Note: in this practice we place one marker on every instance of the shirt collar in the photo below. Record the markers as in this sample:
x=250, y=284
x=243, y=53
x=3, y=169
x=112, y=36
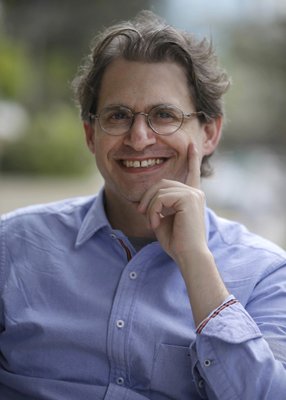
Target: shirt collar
x=94, y=220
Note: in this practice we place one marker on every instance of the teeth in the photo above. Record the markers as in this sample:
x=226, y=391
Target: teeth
x=142, y=164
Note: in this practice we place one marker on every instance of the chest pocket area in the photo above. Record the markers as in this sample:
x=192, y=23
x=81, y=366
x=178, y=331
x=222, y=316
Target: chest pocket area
x=172, y=373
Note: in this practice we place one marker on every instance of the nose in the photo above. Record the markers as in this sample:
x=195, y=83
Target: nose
x=140, y=134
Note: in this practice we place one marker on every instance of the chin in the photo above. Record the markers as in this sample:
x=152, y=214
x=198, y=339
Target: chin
x=123, y=195
x=133, y=193
x=133, y=197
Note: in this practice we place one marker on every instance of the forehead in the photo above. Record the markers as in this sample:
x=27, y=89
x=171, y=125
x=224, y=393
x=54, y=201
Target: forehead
x=142, y=85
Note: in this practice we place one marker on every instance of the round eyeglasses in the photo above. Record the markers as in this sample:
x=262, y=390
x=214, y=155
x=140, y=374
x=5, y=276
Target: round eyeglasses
x=162, y=119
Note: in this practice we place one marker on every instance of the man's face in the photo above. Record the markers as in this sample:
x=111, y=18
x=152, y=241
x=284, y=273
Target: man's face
x=140, y=86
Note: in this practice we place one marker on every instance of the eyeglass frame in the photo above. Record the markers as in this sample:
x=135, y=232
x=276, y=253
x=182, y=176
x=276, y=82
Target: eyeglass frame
x=134, y=114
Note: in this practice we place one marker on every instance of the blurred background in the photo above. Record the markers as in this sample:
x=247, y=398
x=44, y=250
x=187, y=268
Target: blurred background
x=42, y=150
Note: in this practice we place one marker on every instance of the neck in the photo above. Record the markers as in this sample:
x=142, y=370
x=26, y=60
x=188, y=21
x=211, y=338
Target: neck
x=123, y=215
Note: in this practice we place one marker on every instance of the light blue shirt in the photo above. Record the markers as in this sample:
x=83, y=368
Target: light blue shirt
x=86, y=317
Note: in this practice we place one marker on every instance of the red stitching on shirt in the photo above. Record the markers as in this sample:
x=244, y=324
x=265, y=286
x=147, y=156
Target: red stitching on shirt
x=214, y=314
x=127, y=250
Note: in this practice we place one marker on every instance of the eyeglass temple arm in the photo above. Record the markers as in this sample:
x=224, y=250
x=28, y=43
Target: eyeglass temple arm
x=197, y=113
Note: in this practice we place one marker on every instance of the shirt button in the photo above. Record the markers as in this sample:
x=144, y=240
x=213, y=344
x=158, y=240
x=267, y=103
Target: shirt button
x=133, y=275
x=120, y=323
x=113, y=236
x=201, y=383
x=207, y=363
x=120, y=380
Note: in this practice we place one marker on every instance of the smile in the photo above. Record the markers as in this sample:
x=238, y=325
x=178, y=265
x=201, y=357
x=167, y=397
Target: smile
x=151, y=162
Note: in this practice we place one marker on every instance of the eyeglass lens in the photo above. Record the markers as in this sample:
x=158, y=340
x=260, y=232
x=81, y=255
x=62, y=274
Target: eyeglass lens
x=164, y=119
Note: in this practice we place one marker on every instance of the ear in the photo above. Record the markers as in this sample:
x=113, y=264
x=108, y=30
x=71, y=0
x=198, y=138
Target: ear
x=212, y=135
x=89, y=136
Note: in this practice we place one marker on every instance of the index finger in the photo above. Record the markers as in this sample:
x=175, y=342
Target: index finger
x=193, y=178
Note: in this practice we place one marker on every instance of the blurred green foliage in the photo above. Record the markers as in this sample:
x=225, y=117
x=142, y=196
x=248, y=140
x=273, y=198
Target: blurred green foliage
x=15, y=69
x=53, y=145
x=53, y=141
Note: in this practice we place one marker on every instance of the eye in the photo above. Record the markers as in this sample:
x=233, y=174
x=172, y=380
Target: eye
x=117, y=115
x=165, y=115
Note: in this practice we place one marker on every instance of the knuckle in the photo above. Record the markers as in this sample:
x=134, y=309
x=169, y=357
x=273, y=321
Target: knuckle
x=197, y=194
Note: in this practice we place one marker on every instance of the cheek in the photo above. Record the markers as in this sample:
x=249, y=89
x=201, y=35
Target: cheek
x=183, y=140
x=98, y=150
x=195, y=136
x=104, y=147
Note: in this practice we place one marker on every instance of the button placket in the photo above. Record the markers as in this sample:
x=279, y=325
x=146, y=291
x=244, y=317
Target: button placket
x=121, y=319
x=123, y=304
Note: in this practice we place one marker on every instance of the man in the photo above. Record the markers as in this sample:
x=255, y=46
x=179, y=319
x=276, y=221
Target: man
x=142, y=292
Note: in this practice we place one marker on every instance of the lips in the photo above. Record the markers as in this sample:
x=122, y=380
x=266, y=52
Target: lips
x=147, y=163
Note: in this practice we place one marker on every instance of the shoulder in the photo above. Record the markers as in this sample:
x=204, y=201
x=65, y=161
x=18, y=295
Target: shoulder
x=68, y=211
x=65, y=206
x=232, y=241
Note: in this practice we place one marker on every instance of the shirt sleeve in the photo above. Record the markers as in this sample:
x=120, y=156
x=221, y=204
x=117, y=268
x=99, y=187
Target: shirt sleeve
x=240, y=352
x=230, y=300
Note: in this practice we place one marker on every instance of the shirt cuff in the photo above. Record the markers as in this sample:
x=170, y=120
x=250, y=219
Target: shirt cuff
x=230, y=300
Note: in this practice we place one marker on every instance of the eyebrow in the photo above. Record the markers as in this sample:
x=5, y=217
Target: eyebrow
x=149, y=108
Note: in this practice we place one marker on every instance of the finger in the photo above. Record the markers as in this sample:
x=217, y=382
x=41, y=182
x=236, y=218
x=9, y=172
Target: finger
x=161, y=207
x=193, y=178
x=152, y=191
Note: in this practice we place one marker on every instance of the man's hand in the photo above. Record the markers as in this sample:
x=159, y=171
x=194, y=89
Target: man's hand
x=176, y=213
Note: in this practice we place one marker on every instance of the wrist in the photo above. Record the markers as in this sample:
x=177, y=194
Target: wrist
x=204, y=285
x=193, y=258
